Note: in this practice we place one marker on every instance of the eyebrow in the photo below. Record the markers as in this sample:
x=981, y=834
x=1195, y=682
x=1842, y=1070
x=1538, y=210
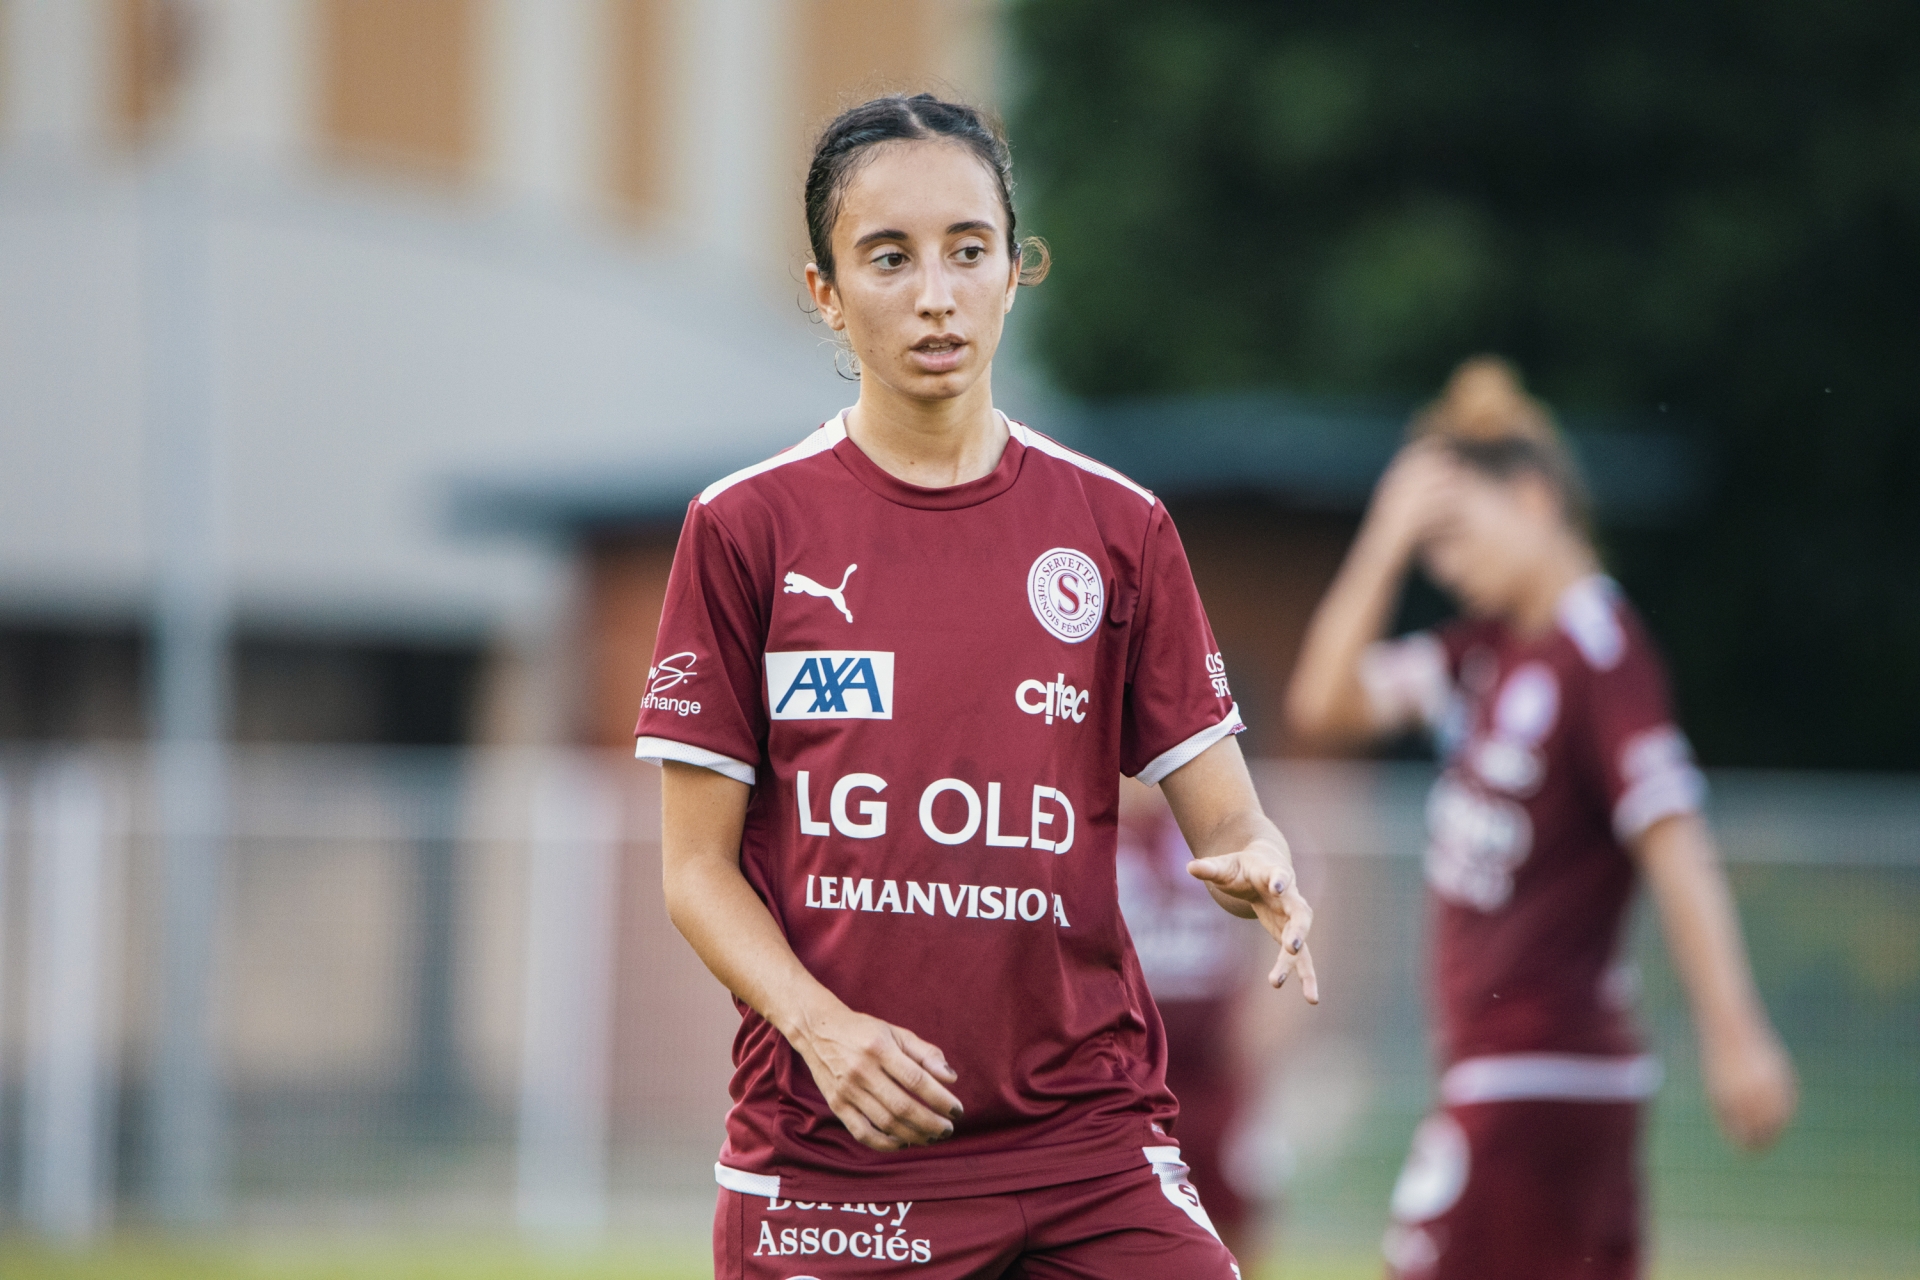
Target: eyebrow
x=892, y=233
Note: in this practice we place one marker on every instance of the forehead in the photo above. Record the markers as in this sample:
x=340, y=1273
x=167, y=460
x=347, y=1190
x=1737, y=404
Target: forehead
x=918, y=186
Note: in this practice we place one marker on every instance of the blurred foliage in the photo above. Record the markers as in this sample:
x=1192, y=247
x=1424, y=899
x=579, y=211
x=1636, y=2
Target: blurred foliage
x=1709, y=211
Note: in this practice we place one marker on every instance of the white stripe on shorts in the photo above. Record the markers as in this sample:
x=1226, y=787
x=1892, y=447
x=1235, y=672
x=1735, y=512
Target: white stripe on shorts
x=747, y=1184
x=1514, y=1077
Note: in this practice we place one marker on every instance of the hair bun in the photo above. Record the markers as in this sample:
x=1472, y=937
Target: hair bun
x=1484, y=402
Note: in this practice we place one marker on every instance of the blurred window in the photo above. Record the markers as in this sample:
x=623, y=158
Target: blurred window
x=398, y=82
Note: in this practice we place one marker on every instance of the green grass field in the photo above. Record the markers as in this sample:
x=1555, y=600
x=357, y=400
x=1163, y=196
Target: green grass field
x=133, y=1258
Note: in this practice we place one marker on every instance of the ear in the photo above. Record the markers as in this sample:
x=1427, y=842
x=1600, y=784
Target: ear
x=825, y=298
x=1013, y=283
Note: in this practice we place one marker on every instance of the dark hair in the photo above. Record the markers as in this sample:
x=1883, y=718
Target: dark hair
x=1487, y=421
x=848, y=142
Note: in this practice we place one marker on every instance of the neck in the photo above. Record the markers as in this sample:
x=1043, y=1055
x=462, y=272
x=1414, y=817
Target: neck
x=932, y=443
x=1569, y=561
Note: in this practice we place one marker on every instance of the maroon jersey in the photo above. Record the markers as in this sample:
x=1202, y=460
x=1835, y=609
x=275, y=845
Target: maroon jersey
x=933, y=693
x=1558, y=751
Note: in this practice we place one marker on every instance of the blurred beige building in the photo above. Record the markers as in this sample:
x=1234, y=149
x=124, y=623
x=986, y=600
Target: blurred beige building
x=443, y=239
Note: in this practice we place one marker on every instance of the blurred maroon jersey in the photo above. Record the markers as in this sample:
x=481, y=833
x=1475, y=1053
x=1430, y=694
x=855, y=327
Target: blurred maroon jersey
x=933, y=693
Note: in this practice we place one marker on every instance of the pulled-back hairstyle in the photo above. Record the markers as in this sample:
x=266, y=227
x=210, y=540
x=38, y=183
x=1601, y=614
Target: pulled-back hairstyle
x=1486, y=420
x=848, y=141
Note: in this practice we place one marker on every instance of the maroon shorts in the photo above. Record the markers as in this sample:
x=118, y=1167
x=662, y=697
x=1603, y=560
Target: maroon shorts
x=1521, y=1190
x=1145, y=1222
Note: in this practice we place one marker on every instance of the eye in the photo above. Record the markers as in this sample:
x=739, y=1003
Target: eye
x=891, y=260
x=972, y=252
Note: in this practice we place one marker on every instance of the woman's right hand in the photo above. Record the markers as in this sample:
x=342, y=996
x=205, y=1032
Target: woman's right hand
x=886, y=1084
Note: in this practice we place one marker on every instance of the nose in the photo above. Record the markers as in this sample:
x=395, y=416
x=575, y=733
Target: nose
x=936, y=291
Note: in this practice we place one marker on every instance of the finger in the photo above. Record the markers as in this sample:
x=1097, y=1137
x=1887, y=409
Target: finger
x=1293, y=937
x=1221, y=869
x=863, y=1132
x=914, y=1068
x=892, y=1086
x=1309, y=980
x=927, y=1055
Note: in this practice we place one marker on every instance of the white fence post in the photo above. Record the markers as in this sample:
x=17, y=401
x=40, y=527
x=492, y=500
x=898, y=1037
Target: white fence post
x=69, y=1075
x=566, y=1032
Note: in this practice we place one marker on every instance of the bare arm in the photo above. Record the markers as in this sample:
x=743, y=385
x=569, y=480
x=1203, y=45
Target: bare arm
x=1749, y=1077
x=1326, y=703
x=887, y=1085
x=1242, y=856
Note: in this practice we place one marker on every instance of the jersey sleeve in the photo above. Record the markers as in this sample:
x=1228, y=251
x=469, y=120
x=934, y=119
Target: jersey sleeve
x=1643, y=759
x=1178, y=702
x=702, y=704
x=1408, y=680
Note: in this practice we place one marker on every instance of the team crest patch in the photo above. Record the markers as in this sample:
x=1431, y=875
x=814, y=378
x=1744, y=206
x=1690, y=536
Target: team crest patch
x=1066, y=594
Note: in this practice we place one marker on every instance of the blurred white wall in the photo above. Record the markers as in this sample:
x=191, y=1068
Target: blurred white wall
x=378, y=333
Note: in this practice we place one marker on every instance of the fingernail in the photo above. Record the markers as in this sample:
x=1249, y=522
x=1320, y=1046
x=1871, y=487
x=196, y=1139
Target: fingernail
x=1297, y=944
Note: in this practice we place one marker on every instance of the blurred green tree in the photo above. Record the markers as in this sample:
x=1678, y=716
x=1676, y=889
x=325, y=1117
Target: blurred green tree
x=1710, y=211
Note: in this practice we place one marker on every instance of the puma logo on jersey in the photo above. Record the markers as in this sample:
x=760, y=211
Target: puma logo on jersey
x=800, y=583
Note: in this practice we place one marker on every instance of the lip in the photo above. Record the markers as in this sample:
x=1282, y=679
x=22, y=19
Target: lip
x=939, y=352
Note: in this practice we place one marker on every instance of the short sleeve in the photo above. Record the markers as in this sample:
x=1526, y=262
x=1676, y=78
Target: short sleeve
x=702, y=704
x=1644, y=760
x=1408, y=681
x=1178, y=702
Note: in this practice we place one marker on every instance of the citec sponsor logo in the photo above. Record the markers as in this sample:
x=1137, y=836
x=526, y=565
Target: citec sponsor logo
x=670, y=673
x=1050, y=814
x=885, y=1241
x=830, y=684
x=1054, y=700
x=965, y=901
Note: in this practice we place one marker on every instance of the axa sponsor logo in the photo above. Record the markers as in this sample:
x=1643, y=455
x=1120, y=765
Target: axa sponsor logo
x=1065, y=592
x=959, y=820
x=885, y=1241
x=666, y=675
x=830, y=684
x=1054, y=699
x=800, y=584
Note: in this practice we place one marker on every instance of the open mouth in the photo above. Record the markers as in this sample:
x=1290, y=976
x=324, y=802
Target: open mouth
x=939, y=352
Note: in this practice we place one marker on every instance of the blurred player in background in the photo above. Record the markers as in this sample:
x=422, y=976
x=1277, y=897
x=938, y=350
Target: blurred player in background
x=1565, y=779
x=1196, y=962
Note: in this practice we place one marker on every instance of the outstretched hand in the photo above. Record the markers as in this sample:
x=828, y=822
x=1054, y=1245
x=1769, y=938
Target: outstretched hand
x=1263, y=879
x=886, y=1084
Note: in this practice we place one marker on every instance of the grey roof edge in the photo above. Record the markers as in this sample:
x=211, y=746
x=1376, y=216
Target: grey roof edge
x=1321, y=455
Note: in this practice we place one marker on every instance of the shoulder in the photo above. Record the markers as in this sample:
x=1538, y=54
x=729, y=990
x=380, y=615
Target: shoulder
x=1597, y=621
x=1104, y=486
x=759, y=481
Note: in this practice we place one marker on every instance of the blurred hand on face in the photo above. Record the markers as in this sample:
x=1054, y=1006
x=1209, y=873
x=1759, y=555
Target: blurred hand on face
x=1411, y=496
x=1751, y=1084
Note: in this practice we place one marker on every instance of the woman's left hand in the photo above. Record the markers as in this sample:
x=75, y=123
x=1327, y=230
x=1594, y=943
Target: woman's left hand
x=1262, y=877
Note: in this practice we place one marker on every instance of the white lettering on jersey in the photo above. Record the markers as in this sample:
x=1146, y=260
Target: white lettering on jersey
x=1050, y=827
x=875, y=811
x=1475, y=844
x=830, y=684
x=1066, y=594
x=875, y=1244
x=1010, y=903
x=800, y=583
x=1056, y=698
x=670, y=673
x=1217, y=675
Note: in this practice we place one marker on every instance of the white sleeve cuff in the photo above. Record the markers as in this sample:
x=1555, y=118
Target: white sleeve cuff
x=1167, y=761
x=1673, y=790
x=661, y=750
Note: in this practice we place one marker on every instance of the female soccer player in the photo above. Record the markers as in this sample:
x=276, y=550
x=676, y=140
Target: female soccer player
x=909, y=659
x=1565, y=778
